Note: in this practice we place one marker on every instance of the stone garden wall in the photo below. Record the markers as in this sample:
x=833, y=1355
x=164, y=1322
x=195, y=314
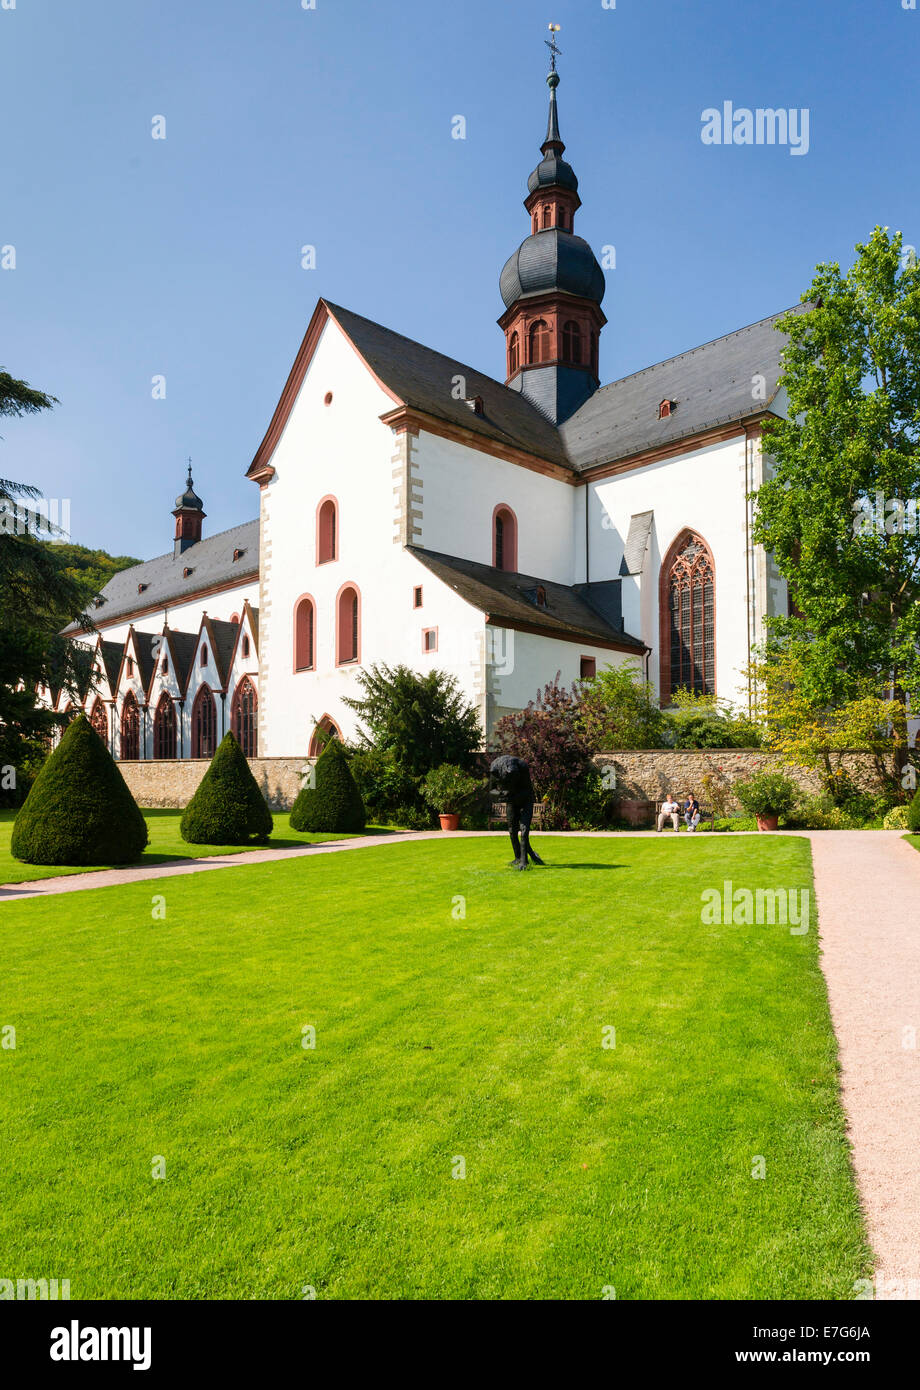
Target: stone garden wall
x=641, y=776
x=646, y=776
x=173, y=784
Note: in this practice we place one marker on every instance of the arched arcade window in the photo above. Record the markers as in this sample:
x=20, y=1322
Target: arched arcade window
x=687, y=618
x=244, y=717
x=348, y=625
x=130, y=729
x=204, y=724
x=304, y=634
x=327, y=539
x=325, y=729
x=164, y=728
x=514, y=353
x=100, y=721
x=504, y=538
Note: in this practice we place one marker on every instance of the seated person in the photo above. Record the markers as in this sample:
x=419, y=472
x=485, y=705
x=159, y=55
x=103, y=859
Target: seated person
x=691, y=812
x=669, y=811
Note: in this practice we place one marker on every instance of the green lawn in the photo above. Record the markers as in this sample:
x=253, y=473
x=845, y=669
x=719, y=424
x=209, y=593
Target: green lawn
x=165, y=843
x=913, y=840
x=438, y=1038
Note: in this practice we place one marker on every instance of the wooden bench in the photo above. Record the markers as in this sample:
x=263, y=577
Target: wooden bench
x=704, y=815
x=499, y=815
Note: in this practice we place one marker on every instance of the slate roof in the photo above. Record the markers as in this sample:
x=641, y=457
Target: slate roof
x=223, y=641
x=182, y=646
x=640, y=526
x=711, y=384
x=210, y=560
x=111, y=653
x=424, y=379
x=509, y=598
x=143, y=645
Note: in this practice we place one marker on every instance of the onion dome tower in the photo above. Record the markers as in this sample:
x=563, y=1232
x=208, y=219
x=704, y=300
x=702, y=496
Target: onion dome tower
x=189, y=513
x=552, y=288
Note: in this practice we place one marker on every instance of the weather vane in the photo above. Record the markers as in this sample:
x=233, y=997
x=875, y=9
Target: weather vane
x=551, y=45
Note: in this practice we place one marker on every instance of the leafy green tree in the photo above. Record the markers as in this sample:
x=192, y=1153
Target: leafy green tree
x=228, y=808
x=79, y=810
x=840, y=509
x=423, y=720
x=37, y=598
x=618, y=709
x=90, y=569
x=333, y=804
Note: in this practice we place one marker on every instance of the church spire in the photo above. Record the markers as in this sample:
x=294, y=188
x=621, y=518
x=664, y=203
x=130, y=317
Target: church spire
x=189, y=513
x=552, y=286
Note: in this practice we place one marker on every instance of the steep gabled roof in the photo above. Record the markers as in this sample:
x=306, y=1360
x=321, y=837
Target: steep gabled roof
x=111, y=653
x=144, y=646
x=163, y=579
x=425, y=380
x=182, y=648
x=715, y=384
x=509, y=600
x=222, y=636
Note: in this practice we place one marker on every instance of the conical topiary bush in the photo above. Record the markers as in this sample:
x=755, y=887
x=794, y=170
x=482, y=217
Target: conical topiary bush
x=913, y=812
x=334, y=804
x=79, y=809
x=227, y=808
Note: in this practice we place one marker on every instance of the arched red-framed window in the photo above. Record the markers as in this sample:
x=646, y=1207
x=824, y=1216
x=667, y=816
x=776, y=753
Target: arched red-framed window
x=571, y=342
x=514, y=353
x=100, y=721
x=347, y=625
x=203, y=658
x=164, y=728
x=244, y=646
x=130, y=729
x=687, y=618
x=327, y=531
x=504, y=538
x=304, y=633
x=321, y=733
x=244, y=713
x=594, y=351
x=204, y=724
x=538, y=340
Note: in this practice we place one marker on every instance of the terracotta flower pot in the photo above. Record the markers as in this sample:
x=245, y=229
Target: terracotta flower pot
x=767, y=822
x=449, y=821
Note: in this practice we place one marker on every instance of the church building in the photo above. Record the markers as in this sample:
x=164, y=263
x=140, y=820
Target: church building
x=414, y=510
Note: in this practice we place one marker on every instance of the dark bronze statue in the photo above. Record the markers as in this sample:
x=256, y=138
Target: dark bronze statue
x=509, y=781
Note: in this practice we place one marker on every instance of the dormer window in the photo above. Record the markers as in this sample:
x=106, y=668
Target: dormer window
x=141, y=588
x=475, y=404
x=187, y=571
x=665, y=408
x=237, y=553
x=541, y=596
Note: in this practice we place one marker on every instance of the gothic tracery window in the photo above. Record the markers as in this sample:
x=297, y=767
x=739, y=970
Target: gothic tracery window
x=244, y=717
x=688, y=620
x=130, y=729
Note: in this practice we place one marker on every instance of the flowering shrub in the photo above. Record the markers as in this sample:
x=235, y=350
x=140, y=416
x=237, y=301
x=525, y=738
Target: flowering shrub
x=549, y=736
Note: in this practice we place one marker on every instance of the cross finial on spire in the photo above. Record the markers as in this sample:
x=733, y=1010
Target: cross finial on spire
x=551, y=45
x=189, y=479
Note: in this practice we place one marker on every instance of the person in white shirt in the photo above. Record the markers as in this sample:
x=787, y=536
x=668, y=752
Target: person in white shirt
x=669, y=808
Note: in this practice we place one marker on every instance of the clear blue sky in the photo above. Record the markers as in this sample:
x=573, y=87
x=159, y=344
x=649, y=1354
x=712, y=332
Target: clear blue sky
x=332, y=127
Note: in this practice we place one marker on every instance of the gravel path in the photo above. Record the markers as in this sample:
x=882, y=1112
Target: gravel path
x=868, y=890
x=867, y=885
